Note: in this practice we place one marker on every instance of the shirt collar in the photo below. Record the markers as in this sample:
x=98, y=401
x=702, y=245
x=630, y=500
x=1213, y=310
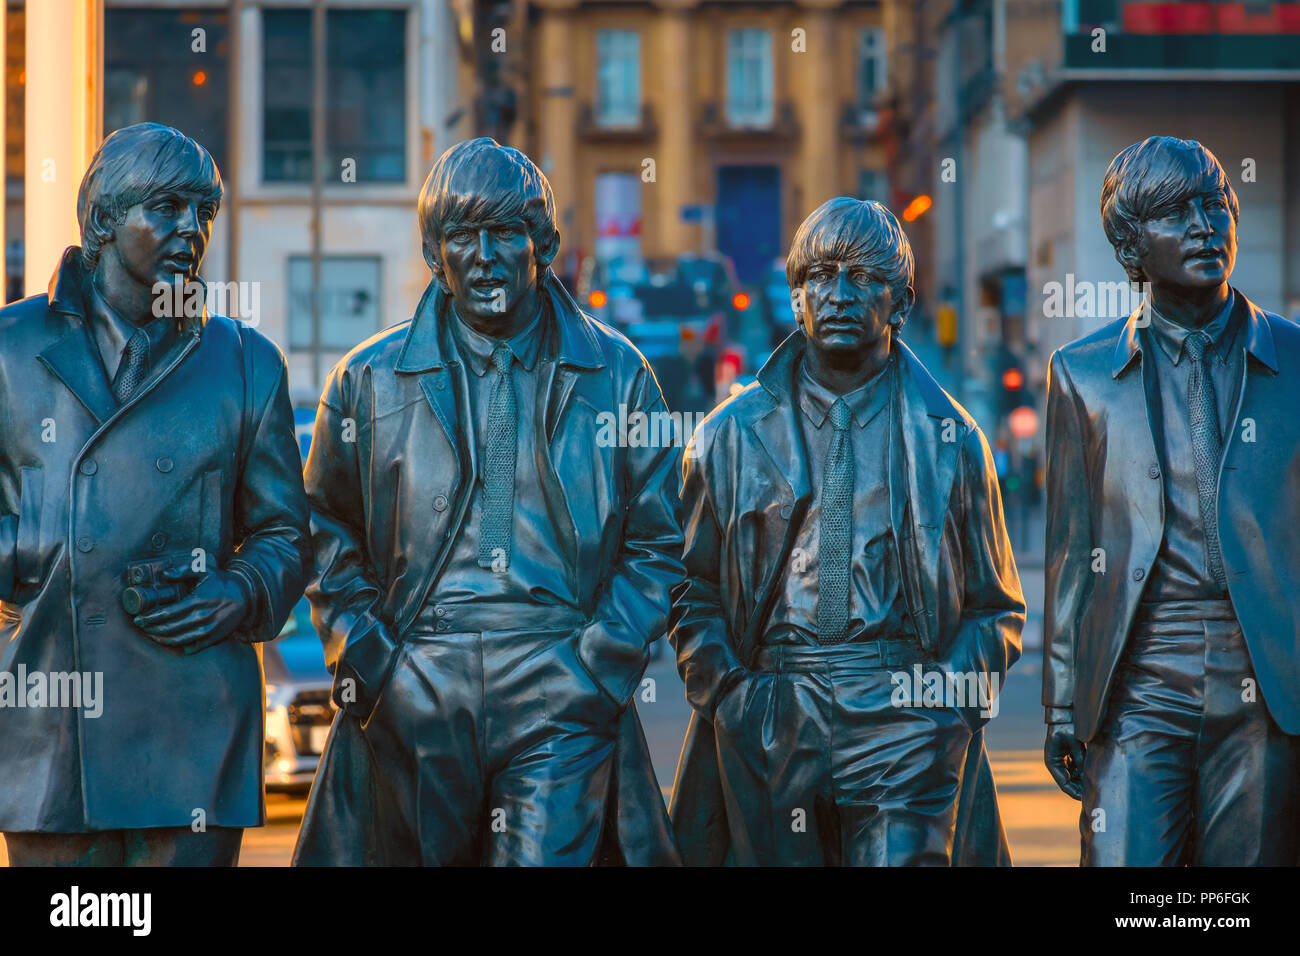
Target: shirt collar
x=476, y=348
x=865, y=402
x=1173, y=337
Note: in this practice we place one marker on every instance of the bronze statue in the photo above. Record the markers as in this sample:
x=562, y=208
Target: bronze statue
x=1172, y=676
x=154, y=529
x=490, y=575
x=851, y=604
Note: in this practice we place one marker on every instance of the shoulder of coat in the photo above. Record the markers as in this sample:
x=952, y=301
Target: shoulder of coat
x=747, y=405
x=381, y=350
x=1095, y=348
x=25, y=317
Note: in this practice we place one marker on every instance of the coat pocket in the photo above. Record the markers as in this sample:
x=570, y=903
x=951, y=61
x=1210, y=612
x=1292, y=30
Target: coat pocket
x=27, y=552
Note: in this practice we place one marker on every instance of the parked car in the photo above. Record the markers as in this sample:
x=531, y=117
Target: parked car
x=608, y=291
x=299, y=710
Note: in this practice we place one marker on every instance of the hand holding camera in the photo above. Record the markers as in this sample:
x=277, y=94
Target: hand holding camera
x=165, y=608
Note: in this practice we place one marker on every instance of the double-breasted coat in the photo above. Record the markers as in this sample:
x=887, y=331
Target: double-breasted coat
x=1106, y=511
x=203, y=456
x=390, y=476
x=745, y=493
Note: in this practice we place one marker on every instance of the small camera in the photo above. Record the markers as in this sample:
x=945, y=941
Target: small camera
x=147, y=588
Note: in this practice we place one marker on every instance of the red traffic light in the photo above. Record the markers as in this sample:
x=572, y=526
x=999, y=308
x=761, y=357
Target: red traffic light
x=740, y=301
x=1013, y=379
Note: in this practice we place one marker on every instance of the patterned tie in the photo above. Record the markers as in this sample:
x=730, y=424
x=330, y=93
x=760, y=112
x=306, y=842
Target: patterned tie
x=499, y=464
x=133, y=367
x=1206, y=447
x=836, y=532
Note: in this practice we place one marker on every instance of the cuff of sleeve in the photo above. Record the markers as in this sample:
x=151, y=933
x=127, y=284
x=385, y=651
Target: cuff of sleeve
x=615, y=666
x=1059, y=715
x=248, y=630
x=365, y=664
x=723, y=688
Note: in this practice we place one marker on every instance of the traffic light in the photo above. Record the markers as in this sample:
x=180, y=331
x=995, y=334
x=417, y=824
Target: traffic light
x=1011, y=383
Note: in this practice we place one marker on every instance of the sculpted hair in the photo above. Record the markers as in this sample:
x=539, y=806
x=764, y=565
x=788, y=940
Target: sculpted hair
x=481, y=181
x=1160, y=171
x=858, y=231
x=131, y=165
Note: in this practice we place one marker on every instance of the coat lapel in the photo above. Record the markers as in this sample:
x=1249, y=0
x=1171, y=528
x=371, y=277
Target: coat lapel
x=442, y=378
x=74, y=360
x=1141, y=391
x=928, y=434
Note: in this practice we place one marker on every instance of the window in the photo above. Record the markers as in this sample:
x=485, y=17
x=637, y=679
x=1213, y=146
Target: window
x=170, y=67
x=365, y=94
x=873, y=184
x=618, y=78
x=872, y=65
x=349, y=302
x=749, y=78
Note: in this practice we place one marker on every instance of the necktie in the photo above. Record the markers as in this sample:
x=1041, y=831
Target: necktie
x=499, y=463
x=1206, y=447
x=133, y=367
x=836, y=532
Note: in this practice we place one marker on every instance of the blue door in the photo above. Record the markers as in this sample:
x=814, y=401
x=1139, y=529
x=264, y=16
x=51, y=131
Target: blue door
x=749, y=218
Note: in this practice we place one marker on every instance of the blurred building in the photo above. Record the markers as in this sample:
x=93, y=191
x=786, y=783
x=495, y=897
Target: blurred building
x=1086, y=78
x=1010, y=111
x=679, y=125
x=237, y=76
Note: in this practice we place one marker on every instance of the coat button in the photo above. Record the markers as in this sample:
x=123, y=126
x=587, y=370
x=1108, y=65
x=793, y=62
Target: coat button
x=1138, y=574
x=88, y=466
x=440, y=384
x=440, y=503
x=440, y=611
x=164, y=465
x=159, y=540
x=1153, y=471
x=85, y=545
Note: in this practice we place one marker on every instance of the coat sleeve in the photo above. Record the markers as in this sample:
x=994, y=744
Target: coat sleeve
x=1068, y=561
x=345, y=591
x=993, y=606
x=270, y=509
x=8, y=547
x=706, y=659
x=632, y=610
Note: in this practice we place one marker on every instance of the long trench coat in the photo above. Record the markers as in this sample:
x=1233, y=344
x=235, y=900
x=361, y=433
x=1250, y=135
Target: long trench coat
x=746, y=490
x=390, y=477
x=1105, y=497
x=202, y=456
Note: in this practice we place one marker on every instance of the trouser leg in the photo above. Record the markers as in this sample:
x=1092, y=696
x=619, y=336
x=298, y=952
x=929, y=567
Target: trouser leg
x=102, y=848
x=424, y=740
x=897, y=772
x=1139, y=772
x=1248, y=789
x=550, y=735
x=773, y=741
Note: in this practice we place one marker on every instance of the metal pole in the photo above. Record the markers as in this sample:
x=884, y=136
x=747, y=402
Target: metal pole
x=233, y=116
x=317, y=178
